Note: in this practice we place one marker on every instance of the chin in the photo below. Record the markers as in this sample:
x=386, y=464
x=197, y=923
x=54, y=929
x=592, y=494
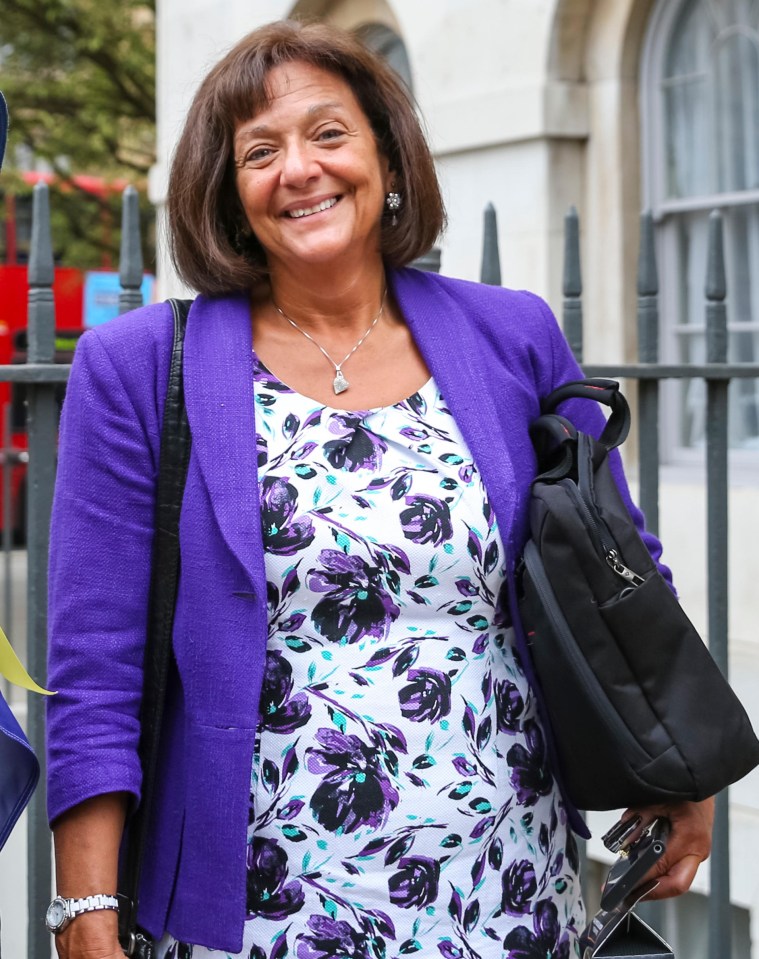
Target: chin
x=324, y=254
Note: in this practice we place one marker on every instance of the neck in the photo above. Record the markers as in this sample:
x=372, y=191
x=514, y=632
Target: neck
x=315, y=300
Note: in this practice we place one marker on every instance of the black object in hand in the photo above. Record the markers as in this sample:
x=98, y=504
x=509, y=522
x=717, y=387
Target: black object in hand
x=632, y=865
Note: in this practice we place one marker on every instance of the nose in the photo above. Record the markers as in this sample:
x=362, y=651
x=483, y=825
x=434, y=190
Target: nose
x=299, y=165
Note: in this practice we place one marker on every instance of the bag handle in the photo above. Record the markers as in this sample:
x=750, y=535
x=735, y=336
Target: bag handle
x=164, y=580
x=554, y=438
x=602, y=391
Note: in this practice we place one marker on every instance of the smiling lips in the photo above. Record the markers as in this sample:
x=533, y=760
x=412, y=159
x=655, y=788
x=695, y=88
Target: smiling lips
x=309, y=210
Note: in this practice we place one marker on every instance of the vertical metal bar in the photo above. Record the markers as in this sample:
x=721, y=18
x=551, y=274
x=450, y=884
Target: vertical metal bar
x=648, y=390
x=490, y=272
x=130, y=259
x=41, y=424
x=572, y=312
x=717, y=559
x=7, y=532
x=648, y=419
x=572, y=327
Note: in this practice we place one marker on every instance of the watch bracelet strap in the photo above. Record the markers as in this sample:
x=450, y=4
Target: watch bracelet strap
x=164, y=579
x=91, y=904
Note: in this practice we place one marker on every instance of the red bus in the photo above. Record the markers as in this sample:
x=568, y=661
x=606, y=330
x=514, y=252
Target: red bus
x=67, y=294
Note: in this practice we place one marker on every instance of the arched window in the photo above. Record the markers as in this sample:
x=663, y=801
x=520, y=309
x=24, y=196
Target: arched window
x=389, y=45
x=700, y=86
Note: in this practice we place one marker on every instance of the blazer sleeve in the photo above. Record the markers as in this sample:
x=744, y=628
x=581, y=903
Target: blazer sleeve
x=589, y=418
x=100, y=557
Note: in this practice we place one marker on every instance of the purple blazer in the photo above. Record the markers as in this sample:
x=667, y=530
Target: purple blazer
x=493, y=353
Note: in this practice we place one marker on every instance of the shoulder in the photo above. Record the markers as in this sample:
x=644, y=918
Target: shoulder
x=510, y=330
x=484, y=305
x=144, y=330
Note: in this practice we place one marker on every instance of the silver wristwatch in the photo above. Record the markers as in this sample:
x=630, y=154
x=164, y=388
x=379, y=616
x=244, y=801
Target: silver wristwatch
x=61, y=911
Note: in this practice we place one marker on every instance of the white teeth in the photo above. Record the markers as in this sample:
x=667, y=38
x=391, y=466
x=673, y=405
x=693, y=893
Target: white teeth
x=307, y=211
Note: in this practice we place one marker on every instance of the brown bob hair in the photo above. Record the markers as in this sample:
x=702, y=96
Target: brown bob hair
x=211, y=245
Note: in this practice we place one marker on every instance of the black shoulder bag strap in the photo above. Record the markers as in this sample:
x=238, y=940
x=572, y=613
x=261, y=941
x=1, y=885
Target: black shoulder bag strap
x=172, y=472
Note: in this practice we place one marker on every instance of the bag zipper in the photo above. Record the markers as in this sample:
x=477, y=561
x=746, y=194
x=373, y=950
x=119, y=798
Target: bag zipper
x=599, y=533
x=610, y=716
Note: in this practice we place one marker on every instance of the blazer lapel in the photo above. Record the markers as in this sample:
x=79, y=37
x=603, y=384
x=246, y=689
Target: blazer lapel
x=218, y=370
x=218, y=381
x=445, y=334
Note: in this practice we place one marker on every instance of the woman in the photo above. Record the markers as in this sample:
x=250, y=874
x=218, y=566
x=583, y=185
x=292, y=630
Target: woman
x=353, y=762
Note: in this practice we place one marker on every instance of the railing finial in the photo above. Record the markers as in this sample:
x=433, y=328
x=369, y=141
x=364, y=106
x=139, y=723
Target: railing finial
x=41, y=265
x=572, y=286
x=648, y=292
x=130, y=261
x=716, y=291
x=490, y=272
x=41, y=309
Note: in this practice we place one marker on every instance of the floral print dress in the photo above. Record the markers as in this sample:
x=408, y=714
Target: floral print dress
x=401, y=798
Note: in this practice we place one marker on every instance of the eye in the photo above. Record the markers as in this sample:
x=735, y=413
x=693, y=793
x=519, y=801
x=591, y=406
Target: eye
x=257, y=156
x=330, y=133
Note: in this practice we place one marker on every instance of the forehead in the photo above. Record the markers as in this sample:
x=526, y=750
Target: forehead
x=302, y=87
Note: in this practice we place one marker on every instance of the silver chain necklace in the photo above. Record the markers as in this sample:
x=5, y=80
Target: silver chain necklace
x=339, y=384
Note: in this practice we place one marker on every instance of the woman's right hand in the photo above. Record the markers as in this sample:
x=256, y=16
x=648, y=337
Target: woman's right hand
x=93, y=935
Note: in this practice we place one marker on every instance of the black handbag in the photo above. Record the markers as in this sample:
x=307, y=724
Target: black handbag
x=172, y=472
x=639, y=711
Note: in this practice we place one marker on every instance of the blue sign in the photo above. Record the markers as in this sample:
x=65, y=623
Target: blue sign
x=101, y=296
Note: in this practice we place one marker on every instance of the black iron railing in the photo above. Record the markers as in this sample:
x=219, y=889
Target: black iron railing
x=42, y=375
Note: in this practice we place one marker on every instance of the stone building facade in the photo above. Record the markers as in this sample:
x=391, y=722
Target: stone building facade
x=611, y=106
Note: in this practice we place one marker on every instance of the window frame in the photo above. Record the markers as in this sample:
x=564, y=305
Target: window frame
x=665, y=211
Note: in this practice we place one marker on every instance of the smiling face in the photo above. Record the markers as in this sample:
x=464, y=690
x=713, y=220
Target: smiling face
x=310, y=178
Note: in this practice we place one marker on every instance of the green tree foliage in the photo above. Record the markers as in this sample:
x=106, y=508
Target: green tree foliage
x=79, y=77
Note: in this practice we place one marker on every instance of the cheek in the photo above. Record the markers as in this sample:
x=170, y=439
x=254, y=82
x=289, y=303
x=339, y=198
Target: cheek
x=251, y=193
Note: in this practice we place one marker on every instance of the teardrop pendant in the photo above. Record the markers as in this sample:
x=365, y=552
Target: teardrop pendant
x=339, y=384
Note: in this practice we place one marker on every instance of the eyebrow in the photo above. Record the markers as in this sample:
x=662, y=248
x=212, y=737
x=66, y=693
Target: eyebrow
x=262, y=130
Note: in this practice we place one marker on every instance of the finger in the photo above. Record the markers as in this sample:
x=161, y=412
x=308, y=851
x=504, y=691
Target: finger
x=678, y=879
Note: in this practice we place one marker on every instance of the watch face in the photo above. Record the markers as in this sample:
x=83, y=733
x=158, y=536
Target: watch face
x=56, y=914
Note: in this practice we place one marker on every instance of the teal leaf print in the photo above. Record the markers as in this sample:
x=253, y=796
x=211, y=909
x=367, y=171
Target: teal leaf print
x=455, y=655
x=293, y=833
x=452, y=841
x=424, y=761
x=305, y=472
x=426, y=582
x=491, y=557
x=461, y=791
x=297, y=645
x=409, y=946
x=460, y=608
x=337, y=718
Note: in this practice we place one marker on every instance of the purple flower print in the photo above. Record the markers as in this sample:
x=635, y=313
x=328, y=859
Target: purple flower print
x=268, y=892
x=427, y=696
x=448, y=950
x=331, y=938
x=546, y=939
x=518, y=887
x=509, y=706
x=356, y=604
x=262, y=450
x=357, y=448
x=283, y=535
x=354, y=791
x=573, y=853
x=427, y=520
x=416, y=882
x=279, y=713
x=267, y=380
x=417, y=403
x=529, y=774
